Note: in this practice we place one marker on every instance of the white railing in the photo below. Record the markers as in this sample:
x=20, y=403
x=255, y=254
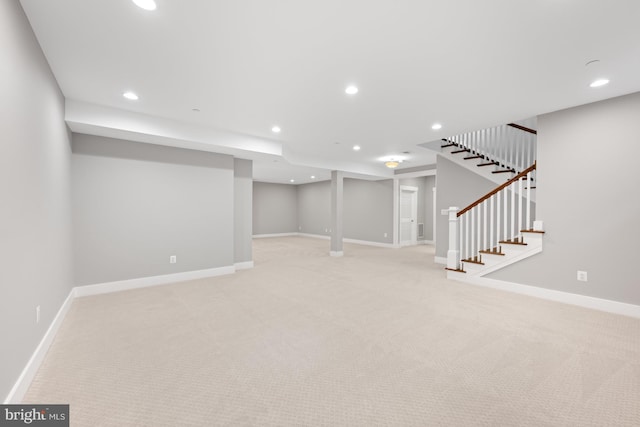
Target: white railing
x=510, y=147
x=497, y=217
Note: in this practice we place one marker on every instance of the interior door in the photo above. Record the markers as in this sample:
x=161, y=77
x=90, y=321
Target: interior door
x=408, y=215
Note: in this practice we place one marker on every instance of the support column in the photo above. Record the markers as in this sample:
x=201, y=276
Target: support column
x=396, y=213
x=337, y=184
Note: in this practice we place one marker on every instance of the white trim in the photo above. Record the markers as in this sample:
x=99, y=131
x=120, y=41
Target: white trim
x=336, y=253
x=426, y=242
x=143, y=282
x=315, y=236
x=262, y=236
x=440, y=260
x=29, y=372
x=245, y=265
x=369, y=243
x=553, y=295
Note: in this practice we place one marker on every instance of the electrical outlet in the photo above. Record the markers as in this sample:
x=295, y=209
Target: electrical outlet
x=385, y=234
x=299, y=228
x=173, y=259
x=326, y=230
x=582, y=276
x=37, y=314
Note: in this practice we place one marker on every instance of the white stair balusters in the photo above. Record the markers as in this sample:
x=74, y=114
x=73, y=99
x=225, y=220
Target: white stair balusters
x=496, y=218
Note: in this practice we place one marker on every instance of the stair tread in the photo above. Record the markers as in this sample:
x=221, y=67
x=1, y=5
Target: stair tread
x=451, y=144
x=486, y=252
x=504, y=171
x=473, y=261
x=466, y=150
x=532, y=231
x=509, y=242
x=455, y=269
x=474, y=157
x=488, y=164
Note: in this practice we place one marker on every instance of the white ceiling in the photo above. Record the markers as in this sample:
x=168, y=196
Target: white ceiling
x=250, y=64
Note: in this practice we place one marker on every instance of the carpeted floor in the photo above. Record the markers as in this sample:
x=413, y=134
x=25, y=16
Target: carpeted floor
x=376, y=338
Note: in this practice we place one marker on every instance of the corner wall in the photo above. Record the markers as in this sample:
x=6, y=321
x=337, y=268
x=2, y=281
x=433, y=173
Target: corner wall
x=35, y=216
x=275, y=208
x=136, y=204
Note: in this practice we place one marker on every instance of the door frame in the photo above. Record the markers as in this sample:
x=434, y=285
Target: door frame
x=414, y=215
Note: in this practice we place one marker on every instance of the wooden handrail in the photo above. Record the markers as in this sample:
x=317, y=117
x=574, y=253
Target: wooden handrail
x=526, y=129
x=494, y=191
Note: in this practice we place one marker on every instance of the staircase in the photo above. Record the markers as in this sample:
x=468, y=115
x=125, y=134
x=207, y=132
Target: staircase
x=497, y=153
x=499, y=228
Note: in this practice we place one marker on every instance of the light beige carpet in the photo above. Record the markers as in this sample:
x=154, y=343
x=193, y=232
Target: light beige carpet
x=376, y=338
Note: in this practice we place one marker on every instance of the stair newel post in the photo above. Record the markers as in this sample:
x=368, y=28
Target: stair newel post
x=453, y=254
x=520, y=209
x=529, y=184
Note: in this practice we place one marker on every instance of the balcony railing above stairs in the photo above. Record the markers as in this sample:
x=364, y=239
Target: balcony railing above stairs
x=497, y=218
x=511, y=147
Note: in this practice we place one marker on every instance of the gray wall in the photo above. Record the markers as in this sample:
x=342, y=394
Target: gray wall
x=368, y=210
x=588, y=198
x=35, y=217
x=242, y=209
x=459, y=187
x=314, y=207
x=135, y=205
x=425, y=186
x=275, y=208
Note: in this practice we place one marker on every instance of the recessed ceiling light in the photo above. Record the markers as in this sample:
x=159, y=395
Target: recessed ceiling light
x=130, y=95
x=313, y=177
x=292, y=180
x=195, y=110
x=351, y=90
x=436, y=126
x=275, y=129
x=599, y=82
x=356, y=148
x=146, y=4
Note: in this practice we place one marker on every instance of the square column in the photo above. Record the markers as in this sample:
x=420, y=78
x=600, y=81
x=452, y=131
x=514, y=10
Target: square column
x=337, y=185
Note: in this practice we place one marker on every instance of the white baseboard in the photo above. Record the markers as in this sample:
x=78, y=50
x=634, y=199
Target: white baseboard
x=425, y=242
x=440, y=260
x=336, y=253
x=28, y=373
x=243, y=265
x=262, y=236
x=143, y=282
x=21, y=386
x=553, y=295
x=369, y=243
x=315, y=236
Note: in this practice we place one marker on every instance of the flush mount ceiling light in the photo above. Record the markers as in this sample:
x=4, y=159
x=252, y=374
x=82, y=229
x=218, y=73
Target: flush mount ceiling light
x=391, y=164
x=130, y=95
x=599, y=82
x=275, y=129
x=146, y=4
x=436, y=126
x=351, y=90
x=356, y=148
x=313, y=177
x=292, y=180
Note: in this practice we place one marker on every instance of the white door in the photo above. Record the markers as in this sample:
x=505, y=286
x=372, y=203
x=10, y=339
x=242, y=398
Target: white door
x=408, y=215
